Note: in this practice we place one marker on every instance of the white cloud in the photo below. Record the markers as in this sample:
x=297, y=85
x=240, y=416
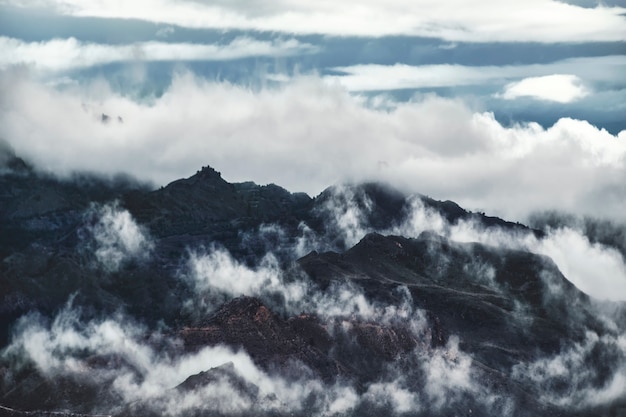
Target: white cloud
x=394, y=396
x=216, y=277
x=576, y=365
x=147, y=374
x=61, y=348
x=306, y=135
x=595, y=269
x=372, y=77
x=346, y=215
x=425, y=380
x=458, y=20
x=562, y=88
x=64, y=54
x=448, y=373
x=117, y=237
x=558, y=81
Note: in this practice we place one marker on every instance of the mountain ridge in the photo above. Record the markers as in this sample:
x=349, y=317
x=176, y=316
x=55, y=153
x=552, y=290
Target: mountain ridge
x=325, y=288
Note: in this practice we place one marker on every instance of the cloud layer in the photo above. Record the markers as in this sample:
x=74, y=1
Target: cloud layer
x=68, y=54
x=535, y=21
x=306, y=135
x=558, y=81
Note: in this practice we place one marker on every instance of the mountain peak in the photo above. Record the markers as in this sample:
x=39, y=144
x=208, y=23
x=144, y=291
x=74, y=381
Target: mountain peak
x=208, y=173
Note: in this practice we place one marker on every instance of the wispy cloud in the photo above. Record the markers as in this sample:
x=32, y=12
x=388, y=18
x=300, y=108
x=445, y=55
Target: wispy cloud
x=474, y=21
x=596, y=269
x=65, y=54
x=575, y=365
x=115, y=236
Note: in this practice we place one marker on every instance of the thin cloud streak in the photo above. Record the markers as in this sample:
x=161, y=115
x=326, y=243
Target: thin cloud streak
x=373, y=77
x=67, y=54
x=542, y=21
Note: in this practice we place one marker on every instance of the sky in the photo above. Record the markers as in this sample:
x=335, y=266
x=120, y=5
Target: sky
x=504, y=107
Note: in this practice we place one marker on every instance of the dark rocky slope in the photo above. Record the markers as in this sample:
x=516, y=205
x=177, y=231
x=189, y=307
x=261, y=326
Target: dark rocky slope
x=506, y=308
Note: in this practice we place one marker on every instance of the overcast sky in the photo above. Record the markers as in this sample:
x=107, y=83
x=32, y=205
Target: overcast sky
x=506, y=107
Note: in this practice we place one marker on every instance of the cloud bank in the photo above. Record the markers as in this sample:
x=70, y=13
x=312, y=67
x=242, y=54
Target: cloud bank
x=305, y=135
x=535, y=21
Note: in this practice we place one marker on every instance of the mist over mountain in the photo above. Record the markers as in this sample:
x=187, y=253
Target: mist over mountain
x=410, y=208
x=210, y=298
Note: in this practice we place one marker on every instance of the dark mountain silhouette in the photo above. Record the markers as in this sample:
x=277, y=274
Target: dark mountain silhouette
x=420, y=300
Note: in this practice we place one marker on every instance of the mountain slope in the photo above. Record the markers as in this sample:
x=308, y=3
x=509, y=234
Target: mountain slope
x=210, y=298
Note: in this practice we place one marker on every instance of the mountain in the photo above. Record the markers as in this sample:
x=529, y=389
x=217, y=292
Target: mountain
x=206, y=297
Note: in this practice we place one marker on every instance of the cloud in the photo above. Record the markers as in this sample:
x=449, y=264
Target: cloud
x=372, y=77
x=70, y=53
x=474, y=21
x=594, y=268
x=150, y=365
x=395, y=395
x=216, y=277
x=116, y=237
x=558, y=81
x=567, y=378
x=448, y=372
x=346, y=211
x=217, y=270
x=562, y=88
x=306, y=135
